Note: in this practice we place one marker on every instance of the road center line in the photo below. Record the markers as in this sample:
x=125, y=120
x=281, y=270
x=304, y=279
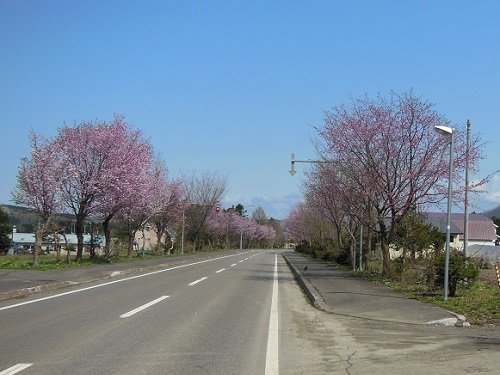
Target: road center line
x=197, y=281
x=143, y=307
x=114, y=282
x=234, y=264
x=272, y=354
x=219, y=271
x=16, y=368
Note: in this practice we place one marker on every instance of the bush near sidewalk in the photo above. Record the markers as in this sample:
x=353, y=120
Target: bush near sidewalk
x=478, y=300
x=480, y=303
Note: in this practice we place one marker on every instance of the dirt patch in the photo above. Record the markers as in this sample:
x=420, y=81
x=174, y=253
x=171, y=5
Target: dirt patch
x=488, y=276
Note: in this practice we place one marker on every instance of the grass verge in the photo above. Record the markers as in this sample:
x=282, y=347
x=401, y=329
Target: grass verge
x=49, y=262
x=479, y=301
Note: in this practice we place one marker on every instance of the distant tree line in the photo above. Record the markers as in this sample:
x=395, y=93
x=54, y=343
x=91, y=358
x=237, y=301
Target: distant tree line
x=107, y=172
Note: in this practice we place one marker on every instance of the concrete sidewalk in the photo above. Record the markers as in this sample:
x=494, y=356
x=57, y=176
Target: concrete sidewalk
x=339, y=292
x=20, y=283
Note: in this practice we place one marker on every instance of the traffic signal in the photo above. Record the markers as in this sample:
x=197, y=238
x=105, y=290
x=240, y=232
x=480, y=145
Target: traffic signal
x=217, y=207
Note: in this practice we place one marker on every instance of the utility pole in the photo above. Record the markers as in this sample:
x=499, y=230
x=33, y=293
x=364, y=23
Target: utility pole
x=182, y=233
x=361, y=248
x=466, y=198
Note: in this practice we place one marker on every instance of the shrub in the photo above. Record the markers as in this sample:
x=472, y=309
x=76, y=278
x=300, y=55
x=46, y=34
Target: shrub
x=461, y=268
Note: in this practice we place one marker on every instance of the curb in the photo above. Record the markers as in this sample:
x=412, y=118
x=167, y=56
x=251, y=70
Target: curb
x=305, y=286
x=458, y=320
x=19, y=293
x=36, y=289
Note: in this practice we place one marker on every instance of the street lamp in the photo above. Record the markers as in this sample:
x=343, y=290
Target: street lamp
x=182, y=230
x=449, y=132
x=241, y=233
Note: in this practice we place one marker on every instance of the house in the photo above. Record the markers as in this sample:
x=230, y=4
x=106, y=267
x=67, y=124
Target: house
x=482, y=230
x=147, y=239
x=25, y=242
x=440, y=222
x=482, y=233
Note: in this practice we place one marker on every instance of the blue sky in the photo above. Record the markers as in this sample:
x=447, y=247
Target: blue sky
x=234, y=87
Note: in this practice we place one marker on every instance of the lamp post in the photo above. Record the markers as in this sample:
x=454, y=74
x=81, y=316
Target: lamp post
x=182, y=230
x=449, y=132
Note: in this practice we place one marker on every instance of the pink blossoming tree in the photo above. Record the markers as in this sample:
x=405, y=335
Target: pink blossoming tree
x=385, y=160
x=38, y=185
x=103, y=164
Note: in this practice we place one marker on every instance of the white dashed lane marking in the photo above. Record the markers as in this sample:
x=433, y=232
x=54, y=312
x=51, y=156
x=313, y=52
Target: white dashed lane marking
x=143, y=307
x=16, y=368
x=197, y=281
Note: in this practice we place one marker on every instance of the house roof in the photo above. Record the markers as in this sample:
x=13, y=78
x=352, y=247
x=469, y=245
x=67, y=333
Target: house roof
x=481, y=227
x=440, y=224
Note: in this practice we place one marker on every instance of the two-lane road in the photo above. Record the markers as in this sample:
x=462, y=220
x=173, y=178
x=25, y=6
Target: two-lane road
x=238, y=314
x=211, y=317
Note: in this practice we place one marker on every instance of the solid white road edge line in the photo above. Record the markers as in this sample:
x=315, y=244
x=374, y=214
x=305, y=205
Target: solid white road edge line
x=219, y=271
x=143, y=307
x=272, y=354
x=197, y=281
x=114, y=282
x=16, y=368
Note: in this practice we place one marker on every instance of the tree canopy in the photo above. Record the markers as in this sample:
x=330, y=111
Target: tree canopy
x=382, y=158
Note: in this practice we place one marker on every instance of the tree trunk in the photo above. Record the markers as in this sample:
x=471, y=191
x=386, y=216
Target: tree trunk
x=384, y=245
x=38, y=244
x=130, y=246
x=131, y=239
x=68, y=258
x=107, y=235
x=92, y=245
x=79, y=235
x=159, y=235
x=39, y=239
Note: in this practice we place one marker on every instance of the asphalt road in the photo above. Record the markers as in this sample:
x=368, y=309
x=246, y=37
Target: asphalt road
x=207, y=318
x=236, y=314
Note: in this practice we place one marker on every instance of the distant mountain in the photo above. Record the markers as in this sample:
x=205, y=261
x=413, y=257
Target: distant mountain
x=493, y=212
x=20, y=216
x=26, y=220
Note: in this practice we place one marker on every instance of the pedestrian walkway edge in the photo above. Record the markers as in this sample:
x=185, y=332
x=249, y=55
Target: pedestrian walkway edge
x=306, y=286
x=36, y=289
